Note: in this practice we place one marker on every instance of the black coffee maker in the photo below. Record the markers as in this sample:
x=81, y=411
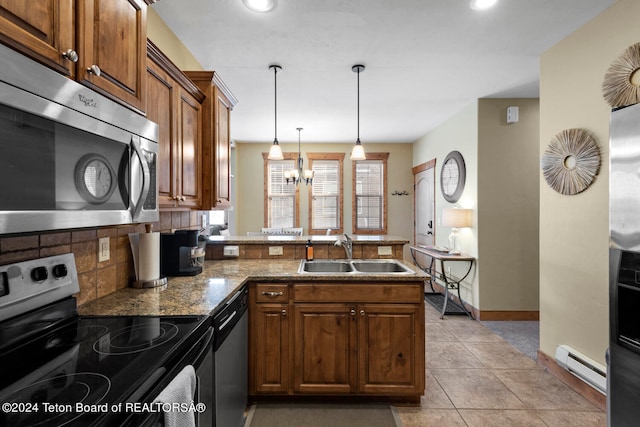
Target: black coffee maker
x=175, y=253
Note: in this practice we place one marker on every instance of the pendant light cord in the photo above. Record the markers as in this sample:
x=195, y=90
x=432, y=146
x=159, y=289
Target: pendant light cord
x=358, y=68
x=275, y=104
x=358, y=140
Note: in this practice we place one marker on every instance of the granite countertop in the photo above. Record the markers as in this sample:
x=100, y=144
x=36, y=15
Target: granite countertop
x=284, y=240
x=202, y=294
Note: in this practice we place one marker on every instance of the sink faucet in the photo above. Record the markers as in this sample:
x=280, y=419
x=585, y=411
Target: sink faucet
x=347, y=244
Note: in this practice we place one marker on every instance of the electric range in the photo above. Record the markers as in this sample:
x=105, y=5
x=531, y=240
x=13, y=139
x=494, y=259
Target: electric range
x=58, y=368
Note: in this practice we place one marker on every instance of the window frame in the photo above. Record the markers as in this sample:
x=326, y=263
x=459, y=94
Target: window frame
x=383, y=157
x=296, y=213
x=336, y=157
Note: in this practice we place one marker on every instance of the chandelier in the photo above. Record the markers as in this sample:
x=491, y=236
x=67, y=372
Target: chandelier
x=297, y=175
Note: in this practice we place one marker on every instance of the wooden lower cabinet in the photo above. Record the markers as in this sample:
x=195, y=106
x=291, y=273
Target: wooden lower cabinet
x=325, y=355
x=391, y=359
x=269, y=338
x=339, y=344
x=270, y=329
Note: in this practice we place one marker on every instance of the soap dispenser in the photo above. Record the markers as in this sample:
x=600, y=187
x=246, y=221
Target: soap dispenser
x=309, y=250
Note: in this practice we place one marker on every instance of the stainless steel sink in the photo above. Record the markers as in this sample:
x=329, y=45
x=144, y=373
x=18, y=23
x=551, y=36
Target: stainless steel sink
x=380, y=266
x=361, y=266
x=325, y=266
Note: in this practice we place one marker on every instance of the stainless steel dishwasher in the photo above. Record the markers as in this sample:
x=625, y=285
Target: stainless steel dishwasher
x=231, y=325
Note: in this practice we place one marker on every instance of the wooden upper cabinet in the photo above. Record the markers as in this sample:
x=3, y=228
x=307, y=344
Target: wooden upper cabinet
x=216, y=145
x=189, y=149
x=41, y=29
x=174, y=103
x=100, y=43
x=222, y=141
x=112, y=48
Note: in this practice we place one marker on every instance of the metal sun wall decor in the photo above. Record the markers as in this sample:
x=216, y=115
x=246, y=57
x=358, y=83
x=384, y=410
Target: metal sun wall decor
x=621, y=85
x=571, y=161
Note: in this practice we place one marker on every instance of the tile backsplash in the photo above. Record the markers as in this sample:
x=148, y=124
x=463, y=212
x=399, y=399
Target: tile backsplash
x=96, y=279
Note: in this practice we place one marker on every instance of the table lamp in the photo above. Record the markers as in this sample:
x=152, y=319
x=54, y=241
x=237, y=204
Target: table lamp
x=456, y=218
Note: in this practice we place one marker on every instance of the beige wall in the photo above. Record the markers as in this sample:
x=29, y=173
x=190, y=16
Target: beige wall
x=574, y=229
x=249, y=177
x=508, y=205
x=162, y=36
x=502, y=188
x=457, y=133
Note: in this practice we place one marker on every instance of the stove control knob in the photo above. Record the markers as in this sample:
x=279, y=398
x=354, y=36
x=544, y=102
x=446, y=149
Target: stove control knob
x=39, y=274
x=59, y=271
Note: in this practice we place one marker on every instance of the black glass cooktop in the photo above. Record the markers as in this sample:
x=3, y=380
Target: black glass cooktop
x=79, y=370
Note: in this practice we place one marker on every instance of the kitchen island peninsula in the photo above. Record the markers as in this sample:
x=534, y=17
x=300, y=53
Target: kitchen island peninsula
x=293, y=247
x=310, y=334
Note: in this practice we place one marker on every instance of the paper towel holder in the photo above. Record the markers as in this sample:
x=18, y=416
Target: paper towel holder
x=160, y=282
x=145, y=284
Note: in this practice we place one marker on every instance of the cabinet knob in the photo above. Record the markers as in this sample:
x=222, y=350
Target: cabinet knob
x=352, y=311
x=71, y=55
x=183, y=198
x=361, y=312
x=94, y=69
x=284, y=311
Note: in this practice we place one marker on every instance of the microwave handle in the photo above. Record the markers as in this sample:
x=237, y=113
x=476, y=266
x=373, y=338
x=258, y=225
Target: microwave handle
x=146, y=178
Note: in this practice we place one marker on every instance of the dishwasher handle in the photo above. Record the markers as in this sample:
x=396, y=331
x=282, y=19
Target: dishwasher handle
x=227, y=321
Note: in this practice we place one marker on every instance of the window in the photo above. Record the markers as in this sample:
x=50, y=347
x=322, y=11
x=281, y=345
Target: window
x=281, y=199
x=218, y=217
x=325, y=195
x=370, y=194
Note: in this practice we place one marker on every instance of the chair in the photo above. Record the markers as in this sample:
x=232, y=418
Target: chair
x=292, y=231
x=271, y=230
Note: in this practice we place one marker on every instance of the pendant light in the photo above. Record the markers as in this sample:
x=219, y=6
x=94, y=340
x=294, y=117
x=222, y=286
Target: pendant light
x=358, y=151
x=275, y=153
x=297, y=175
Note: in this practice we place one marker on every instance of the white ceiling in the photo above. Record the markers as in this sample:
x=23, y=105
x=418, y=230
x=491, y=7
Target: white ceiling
x=425, y=60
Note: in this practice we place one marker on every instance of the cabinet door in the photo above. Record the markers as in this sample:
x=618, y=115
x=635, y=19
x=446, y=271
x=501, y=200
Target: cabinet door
x=270, y=348
x=112, y=35
x=161, y=93
x=325, y=348
x=222, y=152
x=189, y=148
x=391, y=359
x=41, y=29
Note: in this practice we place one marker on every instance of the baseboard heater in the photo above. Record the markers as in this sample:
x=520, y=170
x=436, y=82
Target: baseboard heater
x=582, y=367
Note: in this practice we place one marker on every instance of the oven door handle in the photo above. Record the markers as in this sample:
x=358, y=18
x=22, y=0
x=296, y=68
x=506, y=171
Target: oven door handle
x=146, y=178
x=208, y=342
x=136, y=396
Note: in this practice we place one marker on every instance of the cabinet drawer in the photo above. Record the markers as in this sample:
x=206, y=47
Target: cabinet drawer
x=365, y=292
x=270, y=292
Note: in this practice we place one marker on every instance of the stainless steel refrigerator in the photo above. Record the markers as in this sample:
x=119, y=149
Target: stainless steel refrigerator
x=623, y=391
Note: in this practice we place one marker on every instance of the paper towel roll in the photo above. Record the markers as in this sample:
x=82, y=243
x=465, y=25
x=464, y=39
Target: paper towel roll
x=148, y=256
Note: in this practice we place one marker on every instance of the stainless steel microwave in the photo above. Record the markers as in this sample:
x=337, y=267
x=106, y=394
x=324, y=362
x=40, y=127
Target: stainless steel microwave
x=70, y=157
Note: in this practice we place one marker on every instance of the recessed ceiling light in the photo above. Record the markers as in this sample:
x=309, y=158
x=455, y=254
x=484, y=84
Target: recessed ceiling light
x=260, y=5
x=482, y=4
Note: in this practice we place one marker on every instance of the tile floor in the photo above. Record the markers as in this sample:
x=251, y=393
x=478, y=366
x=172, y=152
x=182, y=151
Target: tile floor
x=475, y=378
